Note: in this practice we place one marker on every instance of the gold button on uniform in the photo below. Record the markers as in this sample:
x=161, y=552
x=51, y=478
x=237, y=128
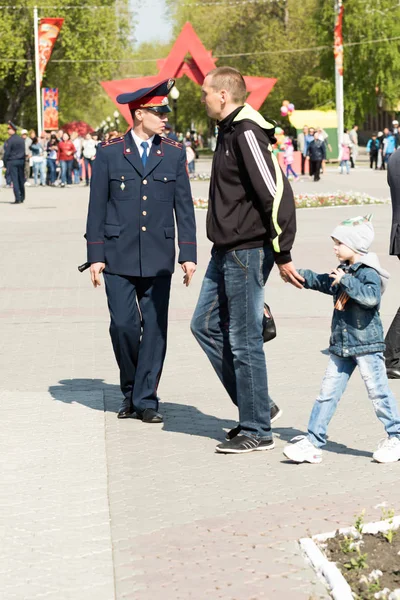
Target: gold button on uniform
x=144, y=181
x=165, y=178
x=144, y=197
x=143, y=228
x=144, y=213
x=122, y=177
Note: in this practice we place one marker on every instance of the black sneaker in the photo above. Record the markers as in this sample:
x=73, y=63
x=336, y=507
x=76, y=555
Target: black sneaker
x=276, y=413
x=233, y=433
x=242, y=443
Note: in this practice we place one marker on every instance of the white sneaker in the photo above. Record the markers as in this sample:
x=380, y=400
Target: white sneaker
x=388, y=450
x=302, y=450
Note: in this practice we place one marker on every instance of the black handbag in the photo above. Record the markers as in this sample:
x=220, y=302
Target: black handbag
x=269, y=327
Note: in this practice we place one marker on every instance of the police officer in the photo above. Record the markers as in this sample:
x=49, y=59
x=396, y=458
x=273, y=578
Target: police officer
x=139, y=182
x=14, y=160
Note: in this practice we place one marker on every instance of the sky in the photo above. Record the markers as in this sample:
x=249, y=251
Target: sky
x=152, y=22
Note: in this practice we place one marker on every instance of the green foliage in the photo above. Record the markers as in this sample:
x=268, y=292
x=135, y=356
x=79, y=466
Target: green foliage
x=359, y=523
x=387, y=515
x=3, y=133
x=347, y=545
x=87, y=34
x=357, y=563
x=307, y=77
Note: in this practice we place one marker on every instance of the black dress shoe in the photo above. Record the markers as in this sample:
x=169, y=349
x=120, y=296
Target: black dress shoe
x=149, y=416
x=124, y=413
x=393, y=373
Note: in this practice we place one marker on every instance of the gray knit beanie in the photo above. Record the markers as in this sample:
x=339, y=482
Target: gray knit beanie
x=357, y=233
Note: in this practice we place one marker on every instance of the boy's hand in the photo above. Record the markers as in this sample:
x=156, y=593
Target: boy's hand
x=289, y=274
x=336, y=275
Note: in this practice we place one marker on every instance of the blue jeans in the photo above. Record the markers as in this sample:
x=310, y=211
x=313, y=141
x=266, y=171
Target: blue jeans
x=344, y=163
x=51, y=166
x=227, y=323
x=66, y=171
x=39, y=168
x=373, y=371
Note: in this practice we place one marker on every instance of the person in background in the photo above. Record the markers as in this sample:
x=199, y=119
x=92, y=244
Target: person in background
x=309, y=139
x=381, y=138
x=396, y=132
x=89, y=154
x=344, y=159
x=76, y=165
x=354, y=146
x=316, y=154
x=302, y=147
x=169, y=132
x=14, y=160
x=289, y=159
x=28, y=142
x=60, y=133
x=323, y=136
x=52, y=152
x=373, y=149
x=113, y=135
x=190, y=153
x=389, y=145
x=39, y=162
x=66, y=151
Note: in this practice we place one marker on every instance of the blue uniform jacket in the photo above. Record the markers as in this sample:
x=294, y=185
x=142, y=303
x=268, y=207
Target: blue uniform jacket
x=130, y=224
x=14, y=149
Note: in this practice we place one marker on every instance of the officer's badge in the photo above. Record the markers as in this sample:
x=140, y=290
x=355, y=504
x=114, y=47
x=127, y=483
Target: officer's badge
x=122, y=186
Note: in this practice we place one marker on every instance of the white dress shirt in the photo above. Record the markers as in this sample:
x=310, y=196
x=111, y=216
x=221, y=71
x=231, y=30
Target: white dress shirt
x=138, y=141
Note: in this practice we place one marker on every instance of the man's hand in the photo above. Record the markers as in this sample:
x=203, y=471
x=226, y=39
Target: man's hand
x=290, y=275
x=189, y=268
x=336, y=275
x=95, y=270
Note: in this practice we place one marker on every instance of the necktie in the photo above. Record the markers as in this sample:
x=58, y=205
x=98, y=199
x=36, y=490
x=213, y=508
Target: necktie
x=144, y=145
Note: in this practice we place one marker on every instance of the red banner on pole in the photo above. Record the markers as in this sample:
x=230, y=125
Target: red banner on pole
x=338, y=45
x=50, y=108
x=48, y=33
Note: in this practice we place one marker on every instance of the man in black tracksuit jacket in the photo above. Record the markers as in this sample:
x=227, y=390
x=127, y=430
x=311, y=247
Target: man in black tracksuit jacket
x=252, y=224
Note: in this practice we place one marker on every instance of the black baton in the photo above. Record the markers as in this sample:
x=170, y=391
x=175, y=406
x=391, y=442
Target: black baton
x=83, y=267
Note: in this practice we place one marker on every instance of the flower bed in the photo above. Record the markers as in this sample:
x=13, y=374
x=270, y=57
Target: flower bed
x=361, y=562
x=317, y=200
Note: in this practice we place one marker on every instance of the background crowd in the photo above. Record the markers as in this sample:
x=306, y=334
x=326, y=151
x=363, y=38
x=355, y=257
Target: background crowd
x=59, y=158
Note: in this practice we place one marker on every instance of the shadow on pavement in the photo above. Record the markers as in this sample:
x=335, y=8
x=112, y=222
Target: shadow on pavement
x=179, y=418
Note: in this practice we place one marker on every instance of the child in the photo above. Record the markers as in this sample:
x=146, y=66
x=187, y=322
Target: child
x=289, y=159
x=373, y=149
x=356, y=341
x=345, y=159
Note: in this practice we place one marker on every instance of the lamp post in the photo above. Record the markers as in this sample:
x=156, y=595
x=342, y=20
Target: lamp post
x=174, y=93
x=116, y=118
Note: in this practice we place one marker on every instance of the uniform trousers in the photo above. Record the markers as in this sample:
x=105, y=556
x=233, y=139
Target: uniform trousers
x=139, y=320
x=16, y=168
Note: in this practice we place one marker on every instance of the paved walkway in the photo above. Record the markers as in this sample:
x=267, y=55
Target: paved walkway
x=93, y=508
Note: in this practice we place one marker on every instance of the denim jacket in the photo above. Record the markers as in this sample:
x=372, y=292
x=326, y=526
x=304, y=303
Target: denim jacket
x=357, y=328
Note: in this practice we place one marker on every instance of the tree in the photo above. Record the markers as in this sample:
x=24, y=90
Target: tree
x=283, y=39
x=83, y=39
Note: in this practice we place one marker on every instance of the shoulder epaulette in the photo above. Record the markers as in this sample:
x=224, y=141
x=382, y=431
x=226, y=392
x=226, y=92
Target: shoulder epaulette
x=113, y=141
x=172, y=143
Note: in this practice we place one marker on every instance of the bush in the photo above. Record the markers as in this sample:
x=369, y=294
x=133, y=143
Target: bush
x=3, y=133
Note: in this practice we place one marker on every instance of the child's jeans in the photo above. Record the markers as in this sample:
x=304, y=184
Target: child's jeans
x=373, y=371
x=345, y=163
x=289, y=169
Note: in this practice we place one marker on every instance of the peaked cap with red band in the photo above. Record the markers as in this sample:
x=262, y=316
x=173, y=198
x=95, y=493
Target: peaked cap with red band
x=153, y=97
